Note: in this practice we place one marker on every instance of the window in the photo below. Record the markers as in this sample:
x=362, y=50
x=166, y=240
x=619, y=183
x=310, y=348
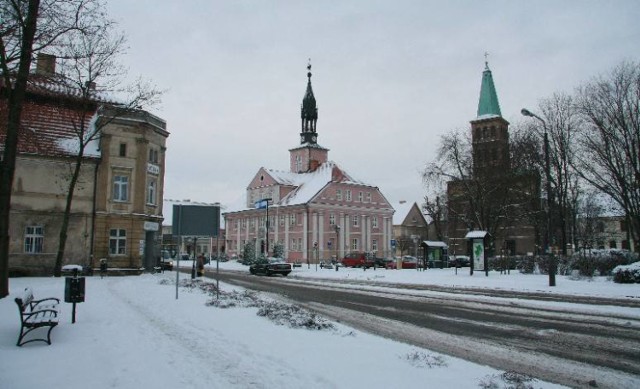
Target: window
x=299, y=244
x=360, y=196
x=120, y=188
x=356, y=221
x=292, y=219
x=252, y=223
x=117, y=242
x=354, y=244
x=151, y=192
x=374, y=221
x=153, y=156
x=33, y=239
x=298, y=163
x=374, y=245
x=293, y=244
x=332, y=219
x=123, y=149
x=281, y=220
x=368, y=197
x=338, y=194
x=237, y=222
x=348, y=195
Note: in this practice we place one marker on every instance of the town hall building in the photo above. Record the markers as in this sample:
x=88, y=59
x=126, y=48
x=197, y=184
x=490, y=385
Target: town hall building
x=315, y=210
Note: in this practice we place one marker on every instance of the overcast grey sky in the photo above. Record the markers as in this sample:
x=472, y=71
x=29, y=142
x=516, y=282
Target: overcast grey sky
x=390, y=77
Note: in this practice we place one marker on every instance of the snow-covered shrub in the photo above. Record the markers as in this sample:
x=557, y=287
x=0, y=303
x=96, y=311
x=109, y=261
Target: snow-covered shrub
x=627, y=274
x=536, y=264
x=293, y=316
x=526, y=265
x=601, y=262
x=508, y=380
x=421, y=359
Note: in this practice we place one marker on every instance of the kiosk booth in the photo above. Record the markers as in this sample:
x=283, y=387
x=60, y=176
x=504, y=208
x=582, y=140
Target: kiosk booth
x=478, y=241
x=435, y=253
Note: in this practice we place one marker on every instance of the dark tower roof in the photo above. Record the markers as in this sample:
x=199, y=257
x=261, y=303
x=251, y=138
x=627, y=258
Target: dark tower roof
x=488, y=103
x=308, y=113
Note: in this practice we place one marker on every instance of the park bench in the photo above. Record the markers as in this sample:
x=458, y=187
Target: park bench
x=35, y=314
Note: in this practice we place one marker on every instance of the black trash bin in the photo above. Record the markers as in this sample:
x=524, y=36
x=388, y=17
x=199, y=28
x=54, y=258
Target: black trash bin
x=74, y=291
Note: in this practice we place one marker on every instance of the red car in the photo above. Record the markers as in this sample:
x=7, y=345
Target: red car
x=358, y=259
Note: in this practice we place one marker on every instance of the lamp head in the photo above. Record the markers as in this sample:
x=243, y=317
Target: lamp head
x=526, y=112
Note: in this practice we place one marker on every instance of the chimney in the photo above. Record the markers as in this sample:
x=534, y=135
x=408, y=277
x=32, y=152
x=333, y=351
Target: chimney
x=313, y=165
x=46, y=64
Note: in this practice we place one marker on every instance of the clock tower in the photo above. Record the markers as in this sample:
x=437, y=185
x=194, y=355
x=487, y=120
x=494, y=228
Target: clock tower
x=309, y=155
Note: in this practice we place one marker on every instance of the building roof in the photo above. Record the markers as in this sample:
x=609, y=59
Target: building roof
x=433, y=243
x=488, y=103
x=307, y=185
x=402, y=210
x=51, y=130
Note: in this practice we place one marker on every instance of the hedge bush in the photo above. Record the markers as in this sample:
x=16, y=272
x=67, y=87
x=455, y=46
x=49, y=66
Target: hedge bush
x=627, y=274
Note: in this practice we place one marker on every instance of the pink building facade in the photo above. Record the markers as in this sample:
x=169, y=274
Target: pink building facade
x=316, y=210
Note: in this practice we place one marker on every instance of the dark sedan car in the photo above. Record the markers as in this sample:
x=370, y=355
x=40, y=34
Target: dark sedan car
x=270, y=266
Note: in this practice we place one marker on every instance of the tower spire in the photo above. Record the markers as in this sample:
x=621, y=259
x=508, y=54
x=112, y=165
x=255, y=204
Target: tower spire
x=488, y=103
x=309, y=113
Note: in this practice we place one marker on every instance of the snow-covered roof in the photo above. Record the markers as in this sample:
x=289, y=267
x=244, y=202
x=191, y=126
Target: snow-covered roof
x=487, y=116
x=402, y=211
x=476, y=234
x=307, y=185
x=433, y=243
x=310, y=184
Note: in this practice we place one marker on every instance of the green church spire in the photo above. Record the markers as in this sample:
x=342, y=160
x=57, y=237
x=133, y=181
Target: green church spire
x=488, y=103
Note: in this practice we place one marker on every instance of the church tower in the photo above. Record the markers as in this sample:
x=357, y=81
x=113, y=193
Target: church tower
x=489, y=132
x=309, y=155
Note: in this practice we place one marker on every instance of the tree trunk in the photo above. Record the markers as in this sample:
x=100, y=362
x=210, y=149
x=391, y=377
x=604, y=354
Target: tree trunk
x=7, y=170
x=57, y=270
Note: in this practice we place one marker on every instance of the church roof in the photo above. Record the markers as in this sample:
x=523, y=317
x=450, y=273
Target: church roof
x=488, y=105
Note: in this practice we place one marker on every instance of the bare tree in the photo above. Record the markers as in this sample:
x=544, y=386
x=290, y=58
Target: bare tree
x=435, y=208
x=609, y=158
x=479, y=202
x=90, y=70
x=562, y=123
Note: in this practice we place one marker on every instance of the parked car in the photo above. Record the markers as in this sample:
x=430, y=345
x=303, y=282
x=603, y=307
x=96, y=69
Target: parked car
x=408, y=262
x=459, y=261
x=362, y=259
x=326, y=265
x=270, y=266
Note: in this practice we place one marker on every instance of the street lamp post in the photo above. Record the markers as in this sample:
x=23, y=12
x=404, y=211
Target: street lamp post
x=337, y=228
x=547, y=172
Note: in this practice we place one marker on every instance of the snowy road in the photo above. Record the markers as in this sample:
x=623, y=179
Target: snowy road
x=570, y=340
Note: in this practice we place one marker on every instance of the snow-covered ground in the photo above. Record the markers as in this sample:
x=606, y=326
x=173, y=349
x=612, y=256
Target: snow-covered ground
x=132, y=332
